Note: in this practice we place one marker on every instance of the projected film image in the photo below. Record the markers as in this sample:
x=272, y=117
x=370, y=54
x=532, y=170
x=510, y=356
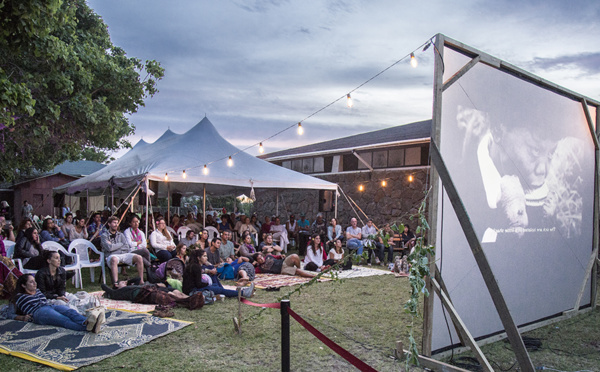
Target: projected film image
x=522, y=160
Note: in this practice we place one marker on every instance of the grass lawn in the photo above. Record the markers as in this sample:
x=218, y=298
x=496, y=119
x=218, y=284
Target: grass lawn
x=363, y=315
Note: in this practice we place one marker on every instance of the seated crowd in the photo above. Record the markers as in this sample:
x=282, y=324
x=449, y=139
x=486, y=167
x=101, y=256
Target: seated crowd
x=181, y=267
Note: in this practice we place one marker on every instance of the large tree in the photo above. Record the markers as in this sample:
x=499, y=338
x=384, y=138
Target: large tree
x=64, y=87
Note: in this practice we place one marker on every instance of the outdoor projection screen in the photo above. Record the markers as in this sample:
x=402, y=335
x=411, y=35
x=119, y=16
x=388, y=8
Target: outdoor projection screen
x=522, y=159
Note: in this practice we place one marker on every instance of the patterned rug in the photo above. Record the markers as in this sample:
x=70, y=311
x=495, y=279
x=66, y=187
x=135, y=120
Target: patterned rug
x=67, y=350
x=362, y=271
x=276, y=280
x=122, y=305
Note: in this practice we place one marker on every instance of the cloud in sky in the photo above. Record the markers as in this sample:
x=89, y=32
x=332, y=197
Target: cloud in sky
x=256, y=67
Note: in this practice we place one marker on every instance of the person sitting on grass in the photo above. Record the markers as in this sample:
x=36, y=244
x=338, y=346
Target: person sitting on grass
x=246, y=248
x=289, y=265
x=314, y=255
x=52, y=279
x=181, y=253
x=268, y=247
x=32, y=306
x=227, y=247
x=212, y=252
x=199, y=276
x=203, y=242
x=336, y=255
x=117, y=251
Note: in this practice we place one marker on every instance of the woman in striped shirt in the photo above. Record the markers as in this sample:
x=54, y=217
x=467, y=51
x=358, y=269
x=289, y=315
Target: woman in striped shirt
x=32, y=306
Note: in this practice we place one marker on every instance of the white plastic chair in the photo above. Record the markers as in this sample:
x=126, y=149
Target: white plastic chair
x=171, y=230
x=74, y=266
x=9, y=247
x=212, y=232
x=10, y=251
x=182, y=231
x=80, y=247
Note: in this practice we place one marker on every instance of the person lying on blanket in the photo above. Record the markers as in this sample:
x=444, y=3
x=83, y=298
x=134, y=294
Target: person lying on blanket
x=200, y=275
x=243, y=270
x=32, y=306
x=279, y=264
x=130, y=290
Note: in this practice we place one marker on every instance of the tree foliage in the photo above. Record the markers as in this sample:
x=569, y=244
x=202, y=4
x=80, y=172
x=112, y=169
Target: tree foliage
x=64, y=87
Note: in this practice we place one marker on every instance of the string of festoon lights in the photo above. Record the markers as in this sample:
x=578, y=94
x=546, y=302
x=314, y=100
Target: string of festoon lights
x=298, y=125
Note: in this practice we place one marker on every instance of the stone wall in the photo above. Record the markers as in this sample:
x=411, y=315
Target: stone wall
x=394, y=203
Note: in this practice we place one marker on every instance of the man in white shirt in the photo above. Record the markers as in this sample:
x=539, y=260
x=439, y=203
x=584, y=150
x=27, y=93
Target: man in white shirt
x=354, y=236
x=370, y=244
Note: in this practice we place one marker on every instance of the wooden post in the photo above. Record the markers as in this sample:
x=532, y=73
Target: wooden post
x=285, y=336
x=438, y=84
x=484, y=266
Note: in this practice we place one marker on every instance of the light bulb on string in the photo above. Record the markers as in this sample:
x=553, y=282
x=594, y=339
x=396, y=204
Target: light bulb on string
x=230, y=162
x=410, y=178
x=300, y=129
x=184, y=175
x=166, y=176
x=383, y=183
x=349, y=100
x=361, y=188
x=261, y=149
x=205, y=170
x=413, y=60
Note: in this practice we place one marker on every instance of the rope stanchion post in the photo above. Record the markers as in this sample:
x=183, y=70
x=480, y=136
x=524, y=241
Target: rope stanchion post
x=285, y=336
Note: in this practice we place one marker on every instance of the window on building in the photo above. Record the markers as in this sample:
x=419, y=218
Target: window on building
x=297, y=165
x=380, y=159
x=287, y=164
x=350, y=163
x=307, y=165
x=319, y=165
x=367, y=157
x=412, y=156
x=396, y=158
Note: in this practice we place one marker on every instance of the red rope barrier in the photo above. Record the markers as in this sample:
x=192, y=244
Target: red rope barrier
x=362, y=366
x=275, y=305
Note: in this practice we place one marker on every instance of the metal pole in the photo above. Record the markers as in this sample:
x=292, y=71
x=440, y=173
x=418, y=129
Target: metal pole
x=277, y=204
x=87, y=202
x=285, y=336
x=147, y=202
x=168, y=203
x=336, y=201
x=204, y=206
x=112, y=200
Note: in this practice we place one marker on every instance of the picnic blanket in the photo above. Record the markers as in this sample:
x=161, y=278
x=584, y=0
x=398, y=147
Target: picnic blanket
x=122, y=305
x=275, y=280
x=67, y=350
x=362, y=271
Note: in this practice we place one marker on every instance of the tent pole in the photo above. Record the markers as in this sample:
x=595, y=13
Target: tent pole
x=147, y=201
x=112, y=200
x=168, y=204
x=204, y=206
x=277, y=203
x=87, y=202
x=336, y=201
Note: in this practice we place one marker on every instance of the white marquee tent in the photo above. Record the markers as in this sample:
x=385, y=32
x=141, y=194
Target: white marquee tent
x=172, y=153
